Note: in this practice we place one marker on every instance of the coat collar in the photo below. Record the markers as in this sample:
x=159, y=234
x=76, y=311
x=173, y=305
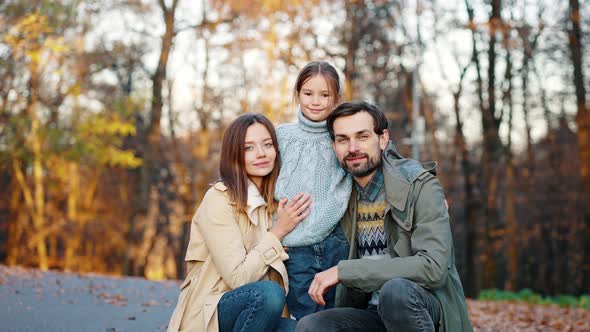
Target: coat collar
x=399, y=173
x=254, y=200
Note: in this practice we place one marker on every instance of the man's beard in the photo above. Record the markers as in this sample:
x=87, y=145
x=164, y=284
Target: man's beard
x=363, y=170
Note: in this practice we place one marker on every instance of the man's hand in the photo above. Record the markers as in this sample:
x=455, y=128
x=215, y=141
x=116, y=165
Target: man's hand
x=321, y=283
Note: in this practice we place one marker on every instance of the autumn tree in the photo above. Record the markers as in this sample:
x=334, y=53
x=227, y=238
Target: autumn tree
x=50, y=156
x=582, y=117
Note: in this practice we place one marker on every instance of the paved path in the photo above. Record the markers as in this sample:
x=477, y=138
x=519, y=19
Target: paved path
x=34, y=301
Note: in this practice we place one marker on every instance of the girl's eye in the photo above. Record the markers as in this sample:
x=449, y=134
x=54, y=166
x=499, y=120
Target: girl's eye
x=268, y=145
x=325, y=95
x=249, y=148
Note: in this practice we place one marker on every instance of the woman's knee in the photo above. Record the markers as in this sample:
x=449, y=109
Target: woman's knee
x=271, y=294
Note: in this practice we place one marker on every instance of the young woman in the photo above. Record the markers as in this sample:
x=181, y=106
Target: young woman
x=308, y=164
x=236, y=278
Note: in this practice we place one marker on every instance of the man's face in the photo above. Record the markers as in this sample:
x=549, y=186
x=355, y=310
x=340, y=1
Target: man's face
x=357, y=146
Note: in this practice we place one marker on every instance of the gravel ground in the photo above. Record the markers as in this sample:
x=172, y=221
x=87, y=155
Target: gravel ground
x=31, y=300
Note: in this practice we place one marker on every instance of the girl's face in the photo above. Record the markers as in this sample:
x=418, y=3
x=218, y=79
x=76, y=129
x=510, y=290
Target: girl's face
x=315, y=99
x=259, y=153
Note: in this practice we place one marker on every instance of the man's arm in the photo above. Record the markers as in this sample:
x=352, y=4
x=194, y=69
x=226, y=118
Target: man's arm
x=431, y=242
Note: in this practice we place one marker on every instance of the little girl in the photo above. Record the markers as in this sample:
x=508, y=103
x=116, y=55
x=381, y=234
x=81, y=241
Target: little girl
x=308, y=164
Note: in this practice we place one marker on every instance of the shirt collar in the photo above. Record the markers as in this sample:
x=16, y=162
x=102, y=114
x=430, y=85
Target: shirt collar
x=371, y=190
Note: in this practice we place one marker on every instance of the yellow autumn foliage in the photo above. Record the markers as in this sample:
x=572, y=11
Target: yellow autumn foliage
x=116, y=157
x=101, y=137
x=31, y=37
x=98, y=125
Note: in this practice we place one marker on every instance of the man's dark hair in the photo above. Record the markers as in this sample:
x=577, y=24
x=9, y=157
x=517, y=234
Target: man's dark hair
x=353, y=107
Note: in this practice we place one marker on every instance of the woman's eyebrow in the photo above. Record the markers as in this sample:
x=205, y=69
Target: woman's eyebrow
x=264, y=140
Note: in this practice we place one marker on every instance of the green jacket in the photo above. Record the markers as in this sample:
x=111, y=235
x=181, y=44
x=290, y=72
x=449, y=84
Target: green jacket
x=419, y=242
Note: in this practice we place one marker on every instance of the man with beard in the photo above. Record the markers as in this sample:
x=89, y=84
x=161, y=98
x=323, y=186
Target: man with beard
x=400, y=274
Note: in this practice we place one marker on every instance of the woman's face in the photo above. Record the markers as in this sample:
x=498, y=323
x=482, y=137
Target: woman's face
x=259, y=153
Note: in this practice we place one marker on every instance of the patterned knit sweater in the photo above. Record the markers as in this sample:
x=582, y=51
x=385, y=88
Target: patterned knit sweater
x=308, y=164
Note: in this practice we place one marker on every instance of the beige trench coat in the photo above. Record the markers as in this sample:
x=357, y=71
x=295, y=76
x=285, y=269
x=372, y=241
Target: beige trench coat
x=227, y=250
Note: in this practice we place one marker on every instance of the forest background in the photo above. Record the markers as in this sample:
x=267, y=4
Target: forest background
x=112, y=113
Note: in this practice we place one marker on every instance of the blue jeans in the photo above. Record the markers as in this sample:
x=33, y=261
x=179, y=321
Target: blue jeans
x=256, y=306
x=403, y=306
x=304, y=263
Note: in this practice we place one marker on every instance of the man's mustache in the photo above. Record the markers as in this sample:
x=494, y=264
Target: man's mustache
x=355, y=155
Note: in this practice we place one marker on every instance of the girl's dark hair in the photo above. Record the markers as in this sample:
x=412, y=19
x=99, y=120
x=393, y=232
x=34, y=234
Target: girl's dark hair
x=326, y=70
x=232, y=168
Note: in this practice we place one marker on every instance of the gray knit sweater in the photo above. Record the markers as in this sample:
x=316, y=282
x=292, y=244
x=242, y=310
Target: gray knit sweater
x=308, y=164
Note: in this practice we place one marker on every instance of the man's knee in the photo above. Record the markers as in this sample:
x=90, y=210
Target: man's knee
x=398, y=302
x=407, y=306
x=315, y=322
x=397, y=293
x=307, y=323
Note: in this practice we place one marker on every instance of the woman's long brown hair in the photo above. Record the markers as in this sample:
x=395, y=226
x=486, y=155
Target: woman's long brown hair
x=232, y=168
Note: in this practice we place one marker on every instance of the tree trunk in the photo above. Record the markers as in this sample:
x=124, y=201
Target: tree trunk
x=492, y=153
x=152, y=158
x=433, y=145
x=525, y=109
x=73, y=240
x=153, y=135
x=351, y=40
x=471, y=206
x=582, y=121
x=492, y=145
x=511, y=221
x=38, y=211
x=16, y=222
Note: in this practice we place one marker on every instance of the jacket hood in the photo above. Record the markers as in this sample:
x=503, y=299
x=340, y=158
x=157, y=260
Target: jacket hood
x=400, y=173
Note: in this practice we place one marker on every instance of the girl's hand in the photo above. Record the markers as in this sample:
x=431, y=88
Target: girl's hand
x=290, y=214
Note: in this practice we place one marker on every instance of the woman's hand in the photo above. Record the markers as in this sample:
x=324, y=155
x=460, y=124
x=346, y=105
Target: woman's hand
x=290, y=214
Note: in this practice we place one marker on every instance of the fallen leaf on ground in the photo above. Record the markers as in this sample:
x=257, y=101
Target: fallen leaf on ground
x=500, y=316
x=151, y=303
